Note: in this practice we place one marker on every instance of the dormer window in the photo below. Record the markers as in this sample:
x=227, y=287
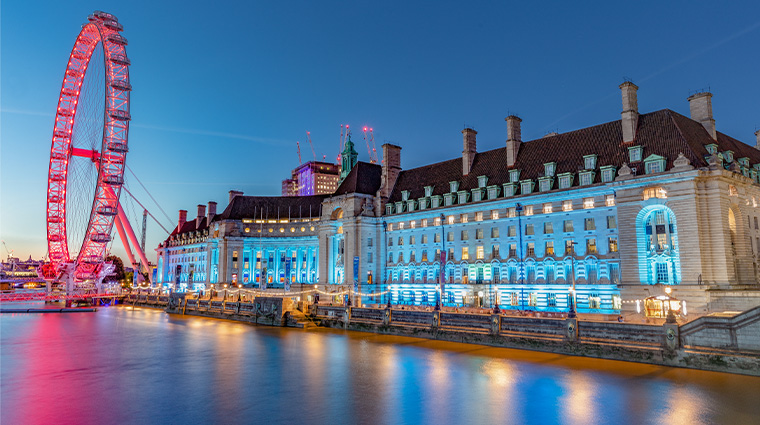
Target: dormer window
x=608, y=173
x=729, y=156
x=428, y=191
x=587, y=177
x=448, y=199
x=744, y=161
x=526, y=187
x=404, y=195
x=493, y=192
x=545, y=184
x=514, y=176
x=589, y=162
x=463, y=197
x=453, y=187
x=399, y=207
x=549, y=169
x=389, y=209
x=482, y=181
x=712, y=148
x=477, y=194
x=565, y=180
x=509, y=189
x=654, y=164
x=634, y=153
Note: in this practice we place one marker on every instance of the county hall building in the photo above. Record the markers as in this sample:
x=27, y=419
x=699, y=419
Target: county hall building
x=622, y=210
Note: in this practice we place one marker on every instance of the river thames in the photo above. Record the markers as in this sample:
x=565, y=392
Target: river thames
x=140, y=366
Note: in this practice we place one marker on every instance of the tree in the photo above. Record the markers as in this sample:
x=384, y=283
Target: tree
x=118, y=272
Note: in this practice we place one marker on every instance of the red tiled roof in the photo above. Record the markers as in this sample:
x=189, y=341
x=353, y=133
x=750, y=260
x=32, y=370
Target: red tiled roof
x=664, y=133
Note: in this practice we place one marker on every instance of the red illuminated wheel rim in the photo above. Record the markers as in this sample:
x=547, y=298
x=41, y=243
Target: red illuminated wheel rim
x=89, y=147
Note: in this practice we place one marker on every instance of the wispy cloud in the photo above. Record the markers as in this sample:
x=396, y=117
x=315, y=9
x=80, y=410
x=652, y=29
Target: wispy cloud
x=181, y=130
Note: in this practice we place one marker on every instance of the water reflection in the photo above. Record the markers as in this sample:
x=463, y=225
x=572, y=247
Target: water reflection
x=143, y=366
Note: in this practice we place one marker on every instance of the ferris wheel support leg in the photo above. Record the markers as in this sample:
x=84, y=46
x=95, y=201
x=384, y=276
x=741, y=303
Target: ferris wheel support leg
x=133, y=239
x=124, y=241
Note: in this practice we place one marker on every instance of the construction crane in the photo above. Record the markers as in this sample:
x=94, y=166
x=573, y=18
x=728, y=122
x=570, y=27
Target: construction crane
x=298, y=146
x=369, y=151
x=373, y=157
x=308, y=136
x=10, y=252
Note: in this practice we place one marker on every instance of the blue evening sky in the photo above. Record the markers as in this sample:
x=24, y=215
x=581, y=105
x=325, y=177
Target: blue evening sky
x=223, y=90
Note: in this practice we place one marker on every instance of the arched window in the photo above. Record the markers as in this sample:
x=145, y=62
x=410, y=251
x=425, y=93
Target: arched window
x=659, y=260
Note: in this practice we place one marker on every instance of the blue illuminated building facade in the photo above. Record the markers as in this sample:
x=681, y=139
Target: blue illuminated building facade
x=619, y=212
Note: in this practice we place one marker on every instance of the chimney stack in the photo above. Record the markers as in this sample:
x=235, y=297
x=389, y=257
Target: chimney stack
x=469, y=149
x=201, y=214
x=630, y=114
x=211, y=211
x=700, y=107
x=514, y=138
x=182, y=219
x=757, y=136
x=234, y=193
x=391, y=169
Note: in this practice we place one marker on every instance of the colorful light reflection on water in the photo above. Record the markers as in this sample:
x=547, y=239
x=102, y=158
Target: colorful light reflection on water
x=143, y=366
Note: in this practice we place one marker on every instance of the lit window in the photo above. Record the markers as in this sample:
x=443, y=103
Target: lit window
x=437, y=221
x=654, y=192
x=494, y=214
x=588, y=203
x=463, y=218
x=479, y=216
x=609, y=200
x=451, y=219
x=613, y=244
x=591, y=246
x=549, y=248
x=529, y=210
x=401, y=226
x=465, y=253
x=511, y=212
x=531, y=252
x=567, y=205
x=479, y=253
x=547, y=208
x=424, y=222
x=413, y=224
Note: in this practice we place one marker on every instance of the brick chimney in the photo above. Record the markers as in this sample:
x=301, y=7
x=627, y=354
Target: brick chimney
x=757, y=136
x=630, y=114
x=182, y=219
x=391, y=169
x=234, y=193
x=700, y=107
x=469, y=149
x=201, y=214
x=514, y=138
x=211, y=211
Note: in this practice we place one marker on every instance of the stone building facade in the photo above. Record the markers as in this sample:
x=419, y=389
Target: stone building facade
x=618, y=211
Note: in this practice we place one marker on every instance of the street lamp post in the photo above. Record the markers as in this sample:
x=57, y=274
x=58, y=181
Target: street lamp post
x=442, y=258
x=572, y=314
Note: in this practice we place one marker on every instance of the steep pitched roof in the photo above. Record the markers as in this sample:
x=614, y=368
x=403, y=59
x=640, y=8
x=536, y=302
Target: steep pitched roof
x=664, y=133
x=272, y=207
x=190, y=226
x=363, y=178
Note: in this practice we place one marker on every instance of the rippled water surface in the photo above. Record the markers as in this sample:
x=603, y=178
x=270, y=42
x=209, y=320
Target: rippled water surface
x=143, y=366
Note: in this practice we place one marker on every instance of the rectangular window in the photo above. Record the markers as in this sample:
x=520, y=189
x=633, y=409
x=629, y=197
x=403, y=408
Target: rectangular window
x=549, y=169
x=424, y=255
x=529, y=229
x=437, y=238
x=591, y=246
x=424, y=239
x=608, y=175
x=511, y=212
x=588, y=203
x=609, y=200
x=412, y=240
x=615, y=273
x=755, y=222
x=494, y=214
x=611, y=222
x=463, y=218
x=548, y=228
x=424, y=222
x=478, y=233
x=547, y=208
x=568, y=226
x=549, y=248
x=662, y=273
x=533, y=299
x=569, y=247
x=495, y=253
x=465, y=253
x=400, y=240
x=613, y=244
x=494, y=232
x=513, y=250
x=369, y=257
x=450, y=236
x=479, y=252
x=634, y=153
x=514, y=299
x=531, y=249
x=528, y=210
x=551, y=299
x=401, y=226
x=545, y=185
x=589, y=224
x=514, y=175
x=565, y=182
x=437, y=221
x=585, y=179
x=511, y=231
x=654, y=167
x=567, y=205
x=479, y=216
x=413, y=224
x=451, y=219
x=369, y=241
x=465, y=236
